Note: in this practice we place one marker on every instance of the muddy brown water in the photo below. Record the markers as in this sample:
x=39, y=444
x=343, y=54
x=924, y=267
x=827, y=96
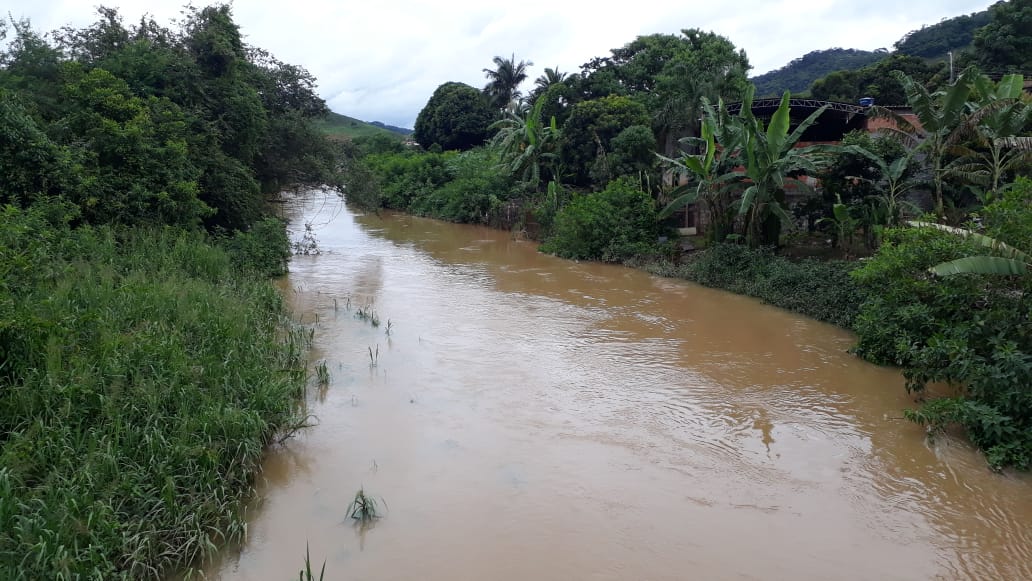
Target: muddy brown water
x=535, y=418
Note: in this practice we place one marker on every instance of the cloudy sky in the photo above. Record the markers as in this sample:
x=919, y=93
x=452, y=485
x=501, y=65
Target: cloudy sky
x=381, y=59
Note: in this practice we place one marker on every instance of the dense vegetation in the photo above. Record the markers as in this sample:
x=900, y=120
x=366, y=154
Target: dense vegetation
x=935, y=40
x=144, y=358
x=597, y=163
x=798, y=75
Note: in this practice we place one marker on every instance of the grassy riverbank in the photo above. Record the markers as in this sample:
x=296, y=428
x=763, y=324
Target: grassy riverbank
x=823, y=290
x=145, y=371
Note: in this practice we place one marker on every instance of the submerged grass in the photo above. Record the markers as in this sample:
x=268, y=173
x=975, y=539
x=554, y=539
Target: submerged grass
x=364, y=508
x=142, y=377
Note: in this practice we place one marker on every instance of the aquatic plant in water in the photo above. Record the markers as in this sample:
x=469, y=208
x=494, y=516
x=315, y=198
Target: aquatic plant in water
x=364, y=508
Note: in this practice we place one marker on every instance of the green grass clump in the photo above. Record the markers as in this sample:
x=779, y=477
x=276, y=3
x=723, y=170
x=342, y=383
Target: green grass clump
x=363, y=508
x=142, y=376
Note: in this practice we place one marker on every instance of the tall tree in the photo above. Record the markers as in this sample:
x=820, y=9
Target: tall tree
x=589, y=131
x=941, y=115
x=668, y=74
x=457, y=116
x=771, y=161
x=503, y=86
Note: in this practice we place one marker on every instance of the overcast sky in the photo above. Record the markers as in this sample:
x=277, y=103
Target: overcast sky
x=379, y=60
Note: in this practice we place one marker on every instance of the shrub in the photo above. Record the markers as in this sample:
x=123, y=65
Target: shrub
x=405, y=177
x=614, y=224
x=473, y=192
x=970, y=331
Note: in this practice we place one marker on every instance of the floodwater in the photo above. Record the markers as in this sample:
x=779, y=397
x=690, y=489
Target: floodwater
x=534, y=418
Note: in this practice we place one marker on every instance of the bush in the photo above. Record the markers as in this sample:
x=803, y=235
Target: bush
x=263, y=251
x=405, y=177
x=971, y=331
x=612, y=225
x=476, y=188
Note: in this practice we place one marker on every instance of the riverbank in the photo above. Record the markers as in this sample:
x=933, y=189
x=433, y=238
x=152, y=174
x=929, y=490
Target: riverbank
x=819, y=289
x=145, y=371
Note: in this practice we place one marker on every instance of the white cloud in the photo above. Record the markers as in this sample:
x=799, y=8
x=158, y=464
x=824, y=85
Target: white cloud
x=382, y=60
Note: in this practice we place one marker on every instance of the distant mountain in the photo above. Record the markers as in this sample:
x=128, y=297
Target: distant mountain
x=798, y=75
x=933, y=42
x=393, y=128
x=344, y=127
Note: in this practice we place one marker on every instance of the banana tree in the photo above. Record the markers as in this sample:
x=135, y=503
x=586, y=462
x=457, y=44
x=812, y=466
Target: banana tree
x=526, y=144
x=1007, y=260
x=893, y=182
x=941, y=117
x=771, y=160
x=719, y=146
x=995, y=146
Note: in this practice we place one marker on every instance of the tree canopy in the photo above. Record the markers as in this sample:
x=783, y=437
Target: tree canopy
x=457, y=116
x=1005, y=44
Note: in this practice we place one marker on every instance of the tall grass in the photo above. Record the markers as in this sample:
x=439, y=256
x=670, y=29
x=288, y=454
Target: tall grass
x=141, y=377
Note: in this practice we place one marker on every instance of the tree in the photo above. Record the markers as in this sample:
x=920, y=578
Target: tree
x=941, y=115
x=503, y=86
x=589, y=131
x=707, y=65
x=719, y=148
x=668, y=74
x=526, y=144
x=457, y=116
x=995, y=145
x=547, y=79
x=771, y=161
x=135, y=156
x=1005, y=44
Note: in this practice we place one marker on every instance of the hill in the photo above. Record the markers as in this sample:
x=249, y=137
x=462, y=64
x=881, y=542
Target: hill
x=929, y=42
x=798, y=75
x=393, y=128
x=341, y=126
x=933, y=42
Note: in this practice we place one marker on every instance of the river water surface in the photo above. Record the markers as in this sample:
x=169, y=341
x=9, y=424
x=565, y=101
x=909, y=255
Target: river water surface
x=534, y=418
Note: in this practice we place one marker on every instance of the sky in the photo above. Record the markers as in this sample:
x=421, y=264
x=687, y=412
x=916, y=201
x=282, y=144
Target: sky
x=380, y=60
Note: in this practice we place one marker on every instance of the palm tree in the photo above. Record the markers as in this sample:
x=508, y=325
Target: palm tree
x=504, y=80
x=547, y=79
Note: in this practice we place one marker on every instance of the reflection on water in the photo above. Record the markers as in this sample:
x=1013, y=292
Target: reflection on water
x=534, y=418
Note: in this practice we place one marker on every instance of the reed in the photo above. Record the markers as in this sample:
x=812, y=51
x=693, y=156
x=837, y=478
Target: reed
x=142, y=379
x=364, y=508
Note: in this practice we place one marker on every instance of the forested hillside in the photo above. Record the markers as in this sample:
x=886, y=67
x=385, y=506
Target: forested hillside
x=798, y=75
x=934, y=41
x=931, y=42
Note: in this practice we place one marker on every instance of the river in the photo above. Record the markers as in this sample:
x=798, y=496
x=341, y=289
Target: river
x=529, y=417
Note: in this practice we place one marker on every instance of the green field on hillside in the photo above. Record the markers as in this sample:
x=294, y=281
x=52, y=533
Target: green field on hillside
x=340, y=126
